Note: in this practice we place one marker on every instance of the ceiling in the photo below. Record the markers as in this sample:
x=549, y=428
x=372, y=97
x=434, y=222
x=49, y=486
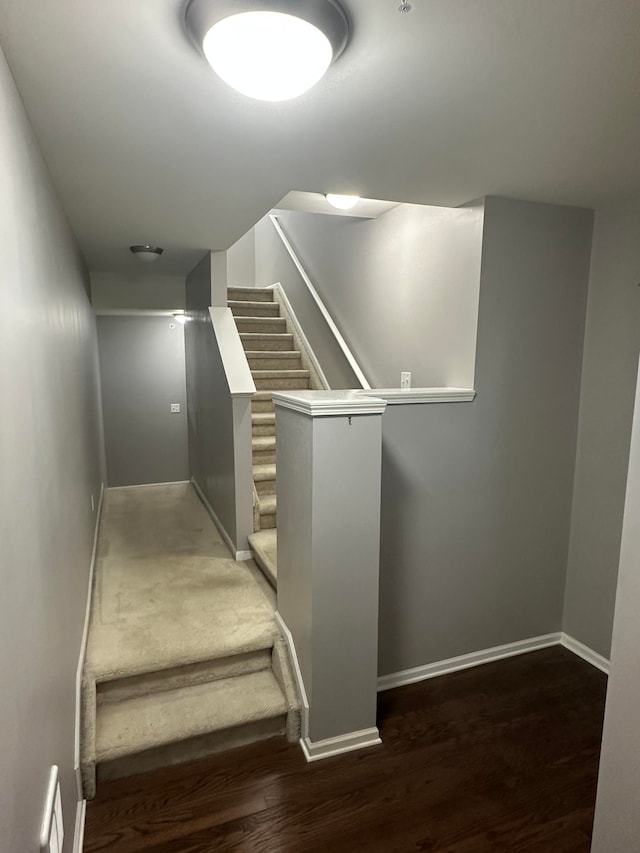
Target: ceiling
x=534, y=99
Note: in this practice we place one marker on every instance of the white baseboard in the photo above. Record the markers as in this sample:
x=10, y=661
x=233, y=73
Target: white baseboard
x=238, y=556
x=584, y=652
x=315, y=750
x=83, y=645
x=297, y=673
x=148, y=485
x=442, y=667
x=78, y=835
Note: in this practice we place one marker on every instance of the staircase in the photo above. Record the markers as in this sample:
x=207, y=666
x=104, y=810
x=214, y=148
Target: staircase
x=275, y=365
x=184, y=658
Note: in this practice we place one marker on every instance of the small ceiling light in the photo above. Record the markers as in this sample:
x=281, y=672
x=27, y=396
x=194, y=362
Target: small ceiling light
x=271, y=50
x=147, y=254
x=342, y=202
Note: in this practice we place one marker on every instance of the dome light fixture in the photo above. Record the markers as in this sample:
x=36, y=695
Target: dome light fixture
x=147, y=254
x=271, y=50
x=342, y=202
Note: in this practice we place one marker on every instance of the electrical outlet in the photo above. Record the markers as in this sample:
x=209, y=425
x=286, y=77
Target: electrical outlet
x=405, y=380
x=52, y=830
x=175, y=408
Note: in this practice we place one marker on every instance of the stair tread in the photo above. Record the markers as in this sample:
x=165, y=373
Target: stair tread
x=268, y=336
x=269, y=322
x=297, y=373
x=252, y=291
x=263, y=442
x=264, y=544
x=263, y=418
x=267, y=504
x=144, y=722
x=283, y=355
x=264, y=471
x=260, y=396
x=245, y=303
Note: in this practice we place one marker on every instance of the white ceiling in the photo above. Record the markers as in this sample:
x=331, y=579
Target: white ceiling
x=535, y=99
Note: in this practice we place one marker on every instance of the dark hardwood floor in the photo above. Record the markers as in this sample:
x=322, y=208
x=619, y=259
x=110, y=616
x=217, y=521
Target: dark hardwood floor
x=501, y=758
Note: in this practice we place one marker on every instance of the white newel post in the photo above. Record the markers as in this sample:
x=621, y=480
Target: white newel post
x=329, y=455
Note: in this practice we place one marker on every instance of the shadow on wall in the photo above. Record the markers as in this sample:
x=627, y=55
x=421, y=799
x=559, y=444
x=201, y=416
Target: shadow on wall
x=402, y=289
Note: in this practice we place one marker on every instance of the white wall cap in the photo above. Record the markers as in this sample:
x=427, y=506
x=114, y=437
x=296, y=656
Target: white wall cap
x=326, y=403
x=398, y=396
x=234, y=360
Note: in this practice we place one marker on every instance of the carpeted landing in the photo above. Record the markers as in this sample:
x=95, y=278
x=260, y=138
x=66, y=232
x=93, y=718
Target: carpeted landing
x=183, y=657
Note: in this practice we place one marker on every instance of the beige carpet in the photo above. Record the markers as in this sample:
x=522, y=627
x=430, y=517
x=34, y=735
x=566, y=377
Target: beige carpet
x=184, y=658
x=167, y=591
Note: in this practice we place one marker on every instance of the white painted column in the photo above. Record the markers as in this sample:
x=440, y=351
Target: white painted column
x=617, y=816
x=329, y=453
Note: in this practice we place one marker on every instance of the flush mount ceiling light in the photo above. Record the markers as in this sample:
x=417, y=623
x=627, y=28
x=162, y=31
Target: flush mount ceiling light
x=147, y=254
x=342, y=202
x=271, y=50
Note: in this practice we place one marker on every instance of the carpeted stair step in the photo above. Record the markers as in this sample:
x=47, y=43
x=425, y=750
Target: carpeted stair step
x=250, y=294
x=201, y=672
x=261, y=325
x=182, y=724
x=264, y=449
x=264, y=545
x=262, y=401
x=267, y=342
x=264, y=477
x=280, y=380
x=267, y=510
x=290, y=360
x=254, y=309
x=263, y=423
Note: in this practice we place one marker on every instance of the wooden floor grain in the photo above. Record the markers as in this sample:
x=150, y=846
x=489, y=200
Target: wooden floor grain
x=501, y=758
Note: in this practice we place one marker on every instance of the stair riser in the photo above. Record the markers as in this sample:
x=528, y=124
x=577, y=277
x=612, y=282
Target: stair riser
x=265, y=487
x=268, y=521
x=263, y=430
x=262, y=407
x=267, y=344
x=280, y=384
x=264, y=325
x=263, y=362
x=264, y=309
x=263, y=457
x=192, y=749
x=249, y=294
x=199, y=673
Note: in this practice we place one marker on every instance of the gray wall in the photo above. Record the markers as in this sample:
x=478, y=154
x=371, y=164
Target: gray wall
x=403, y=289
x=241, y=262
x=273, y=264
x=49, y=464
x=477, y=496
x=144, y=290
x=210, y=409
x=612, y=344
x=142, y=367
x=617, y=817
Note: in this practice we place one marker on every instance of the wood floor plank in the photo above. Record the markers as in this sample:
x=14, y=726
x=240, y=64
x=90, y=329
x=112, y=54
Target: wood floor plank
x=501, y=758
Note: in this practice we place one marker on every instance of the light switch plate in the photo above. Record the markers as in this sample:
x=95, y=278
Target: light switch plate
x=175, y=408
x=405, y=379
x=52, y=831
